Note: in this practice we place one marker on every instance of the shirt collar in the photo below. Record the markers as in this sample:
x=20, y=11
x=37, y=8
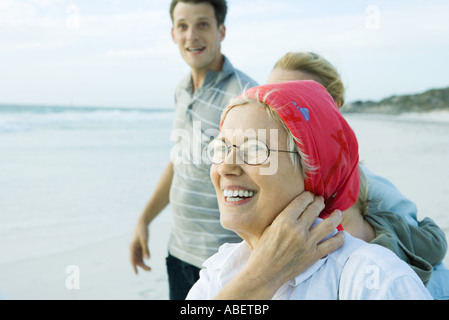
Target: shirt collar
x=308, y=273
x=317, y=265
x=212, y=77
x=232, y=258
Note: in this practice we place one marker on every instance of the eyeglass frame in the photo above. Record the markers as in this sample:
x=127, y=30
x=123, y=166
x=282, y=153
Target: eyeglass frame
x=228, y=150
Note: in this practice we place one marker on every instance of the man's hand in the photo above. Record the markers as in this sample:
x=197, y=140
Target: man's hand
x=139, y=247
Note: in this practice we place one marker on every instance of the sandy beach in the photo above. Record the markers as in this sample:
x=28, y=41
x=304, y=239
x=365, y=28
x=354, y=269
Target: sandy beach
x=104, y=272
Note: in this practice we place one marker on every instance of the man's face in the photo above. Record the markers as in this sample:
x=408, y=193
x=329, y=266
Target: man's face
x=198, y=38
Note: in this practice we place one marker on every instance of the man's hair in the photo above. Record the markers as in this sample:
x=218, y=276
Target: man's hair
x=220, y=8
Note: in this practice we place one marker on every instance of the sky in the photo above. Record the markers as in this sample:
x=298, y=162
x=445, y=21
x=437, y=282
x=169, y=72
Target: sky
x=119, y=53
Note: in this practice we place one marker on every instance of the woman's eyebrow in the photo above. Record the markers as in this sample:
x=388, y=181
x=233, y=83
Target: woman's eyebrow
x=244, y=137
x=225, y=140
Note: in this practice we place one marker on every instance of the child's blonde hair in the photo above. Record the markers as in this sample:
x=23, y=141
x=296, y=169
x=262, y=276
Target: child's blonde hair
x=319, y=68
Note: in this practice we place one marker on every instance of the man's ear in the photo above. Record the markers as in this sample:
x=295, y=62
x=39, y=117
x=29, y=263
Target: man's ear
x=222, y=31
x=173, y=34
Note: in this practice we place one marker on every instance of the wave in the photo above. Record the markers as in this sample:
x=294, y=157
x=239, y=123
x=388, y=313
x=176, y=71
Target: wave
x=432, y=116
x=437, y=117
x=16, y=118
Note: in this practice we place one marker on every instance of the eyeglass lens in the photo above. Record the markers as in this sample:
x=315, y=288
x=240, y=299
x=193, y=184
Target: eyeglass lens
x=252, y=152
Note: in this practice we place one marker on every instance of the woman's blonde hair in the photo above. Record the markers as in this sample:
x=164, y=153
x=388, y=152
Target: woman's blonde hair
x=319, y=68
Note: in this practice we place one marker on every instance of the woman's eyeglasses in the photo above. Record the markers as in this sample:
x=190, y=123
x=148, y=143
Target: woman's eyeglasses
x=252, y=152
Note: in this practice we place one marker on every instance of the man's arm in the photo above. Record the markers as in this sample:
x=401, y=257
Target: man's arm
x=159, y=200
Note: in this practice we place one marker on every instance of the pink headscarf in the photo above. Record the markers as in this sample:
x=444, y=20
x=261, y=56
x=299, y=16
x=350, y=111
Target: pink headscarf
x=310, y=113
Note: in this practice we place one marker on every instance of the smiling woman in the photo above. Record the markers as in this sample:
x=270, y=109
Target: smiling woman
x=250, y=216
x=324, y=136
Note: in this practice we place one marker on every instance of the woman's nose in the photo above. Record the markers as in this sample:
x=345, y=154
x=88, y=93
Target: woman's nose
x=231, y=164
x=232, y=156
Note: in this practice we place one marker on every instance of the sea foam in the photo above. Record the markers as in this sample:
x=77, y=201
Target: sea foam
x=26, y=118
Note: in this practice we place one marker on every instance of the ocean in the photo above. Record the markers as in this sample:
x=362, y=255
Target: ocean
x=70, y=176
x=73, y=182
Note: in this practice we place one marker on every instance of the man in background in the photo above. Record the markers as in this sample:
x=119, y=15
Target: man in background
x=196, y=233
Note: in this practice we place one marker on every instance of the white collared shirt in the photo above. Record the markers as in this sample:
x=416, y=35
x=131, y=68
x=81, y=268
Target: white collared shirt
x=356, y=271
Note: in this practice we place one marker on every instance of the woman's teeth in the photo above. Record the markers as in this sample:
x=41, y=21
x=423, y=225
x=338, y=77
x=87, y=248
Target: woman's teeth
x=237, y=195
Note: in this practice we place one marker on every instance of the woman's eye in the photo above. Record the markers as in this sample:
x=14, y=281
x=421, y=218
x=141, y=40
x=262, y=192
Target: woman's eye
x=220, y=149
x=253, y=147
